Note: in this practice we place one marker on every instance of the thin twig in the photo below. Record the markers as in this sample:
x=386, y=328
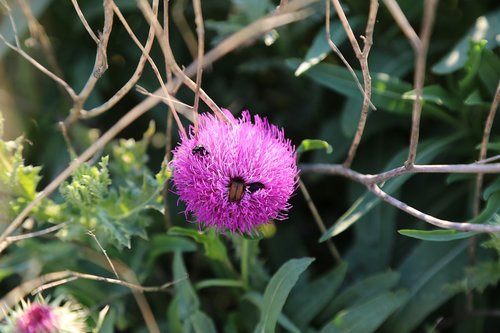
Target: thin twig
x=259, y=27
x=132, y=80
x=484, y=148
x=200, y=31
x=319, y=222
x=53, y=279
x=420, y=45
x=183, y=26
x=368, y=179
x=153, y=65
x=12, y=239
x=170, y=59
x=84, y=21
x=367, y=80
x=94, y=237
x=335, y=49
x=101, y=58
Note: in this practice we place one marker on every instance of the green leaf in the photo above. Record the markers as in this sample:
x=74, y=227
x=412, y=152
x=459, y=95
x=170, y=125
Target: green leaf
x=186, y=299
x=427, y=152
x=277, y=292
x=387, y=91
x=359, y=292
x=320, y=48
x=492, y=207
x=202, y=323
x=486, y=27
x=214, y=248
x=425, y=272
x=310, y=144
x=368, y=316
x=468, y=82
x=305, y=304
x=436, y=94
x=436, y=235
x=219, y=283
x=161, y=244
x=489, y=71
x=283, y=320
x=475, y=99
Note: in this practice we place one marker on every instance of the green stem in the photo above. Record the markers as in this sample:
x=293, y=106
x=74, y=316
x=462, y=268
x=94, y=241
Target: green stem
x=245, y=262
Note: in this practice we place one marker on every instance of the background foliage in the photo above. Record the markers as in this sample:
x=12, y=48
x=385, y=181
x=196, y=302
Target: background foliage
x=288, y=281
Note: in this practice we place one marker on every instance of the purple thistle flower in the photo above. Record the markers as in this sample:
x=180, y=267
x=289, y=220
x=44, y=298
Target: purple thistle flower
x=235, y=176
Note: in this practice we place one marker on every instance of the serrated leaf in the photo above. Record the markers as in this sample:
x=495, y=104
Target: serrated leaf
x=301, y=307
x=359, y=292
x=277, y=292
x=478, y=277
x=427, y=152
x=436, y=235
x=486, y=27
x=366, y=317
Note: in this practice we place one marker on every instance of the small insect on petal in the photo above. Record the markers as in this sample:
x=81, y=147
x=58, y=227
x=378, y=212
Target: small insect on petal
x=200, y=150
x=236, y=189
x=254, y=187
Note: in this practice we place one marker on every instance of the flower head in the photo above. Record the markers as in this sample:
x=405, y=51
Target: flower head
x=43, y=317
x=235, y=176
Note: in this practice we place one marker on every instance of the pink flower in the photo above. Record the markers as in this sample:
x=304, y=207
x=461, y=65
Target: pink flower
x=38, y=318
x=59, y=316
x=235, y=176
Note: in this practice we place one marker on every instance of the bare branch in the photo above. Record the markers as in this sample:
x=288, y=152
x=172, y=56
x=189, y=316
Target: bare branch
x=460, y=226
x=101, y=59
x=367, y=179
